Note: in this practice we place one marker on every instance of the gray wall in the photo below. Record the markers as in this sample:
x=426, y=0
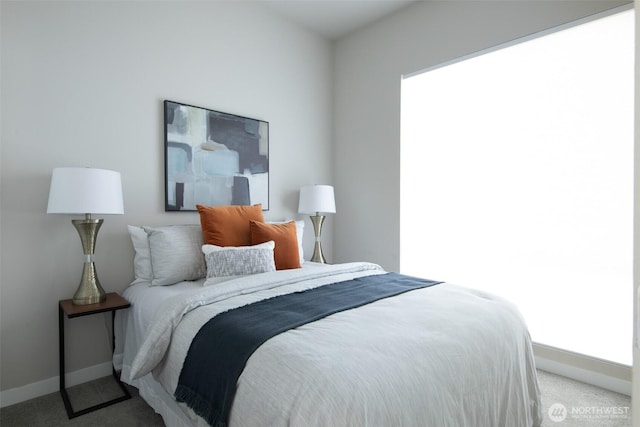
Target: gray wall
x=82, y=85
x=368, y=69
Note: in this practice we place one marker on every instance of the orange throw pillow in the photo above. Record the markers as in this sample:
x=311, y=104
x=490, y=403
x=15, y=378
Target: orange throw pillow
x=285, y=236
x=228, y=225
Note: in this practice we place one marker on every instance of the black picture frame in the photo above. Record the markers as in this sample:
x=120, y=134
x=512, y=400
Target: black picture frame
x=214, y=158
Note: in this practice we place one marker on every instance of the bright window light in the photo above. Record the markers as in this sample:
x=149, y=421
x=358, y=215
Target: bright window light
x=517, y=178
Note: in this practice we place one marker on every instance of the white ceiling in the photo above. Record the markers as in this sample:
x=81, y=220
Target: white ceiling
x=335, y=18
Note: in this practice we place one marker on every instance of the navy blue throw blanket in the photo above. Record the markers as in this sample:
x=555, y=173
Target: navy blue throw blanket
x=220, y=350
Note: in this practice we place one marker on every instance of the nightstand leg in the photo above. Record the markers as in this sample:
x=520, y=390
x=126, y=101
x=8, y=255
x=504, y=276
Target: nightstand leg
x=127, y=395
x=63, y=389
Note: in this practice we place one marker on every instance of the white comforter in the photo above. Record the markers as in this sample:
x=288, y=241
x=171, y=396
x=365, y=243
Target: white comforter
x=439, y=356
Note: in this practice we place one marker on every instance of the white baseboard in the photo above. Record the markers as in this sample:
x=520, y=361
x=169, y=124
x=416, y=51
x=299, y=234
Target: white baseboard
x=600, y=373
x=51, y=385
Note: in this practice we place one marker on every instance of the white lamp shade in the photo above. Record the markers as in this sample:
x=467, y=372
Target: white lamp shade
x=85, y=191
x=316, y=198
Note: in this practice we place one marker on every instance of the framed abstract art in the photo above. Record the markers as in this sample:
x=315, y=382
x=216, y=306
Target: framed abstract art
x=214, y=158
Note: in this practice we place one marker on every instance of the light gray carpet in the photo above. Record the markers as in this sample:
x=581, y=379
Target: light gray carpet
x=48, y=411
x=584, y=406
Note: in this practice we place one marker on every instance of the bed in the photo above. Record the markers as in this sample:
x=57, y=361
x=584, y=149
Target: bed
x=433, y=354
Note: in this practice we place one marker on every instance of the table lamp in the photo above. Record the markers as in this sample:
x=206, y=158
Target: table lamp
x=314, y=200
x=86, y=191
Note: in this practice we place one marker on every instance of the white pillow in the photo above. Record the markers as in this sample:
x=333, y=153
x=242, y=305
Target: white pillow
x=299, y=232
x=175, y=253
x=142, y=270
x=224, y=261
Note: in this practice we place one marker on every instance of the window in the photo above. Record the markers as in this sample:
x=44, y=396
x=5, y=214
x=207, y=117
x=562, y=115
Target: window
x=517, y=178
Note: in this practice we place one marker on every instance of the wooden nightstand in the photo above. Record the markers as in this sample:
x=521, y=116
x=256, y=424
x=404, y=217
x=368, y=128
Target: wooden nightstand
x=113, y=303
